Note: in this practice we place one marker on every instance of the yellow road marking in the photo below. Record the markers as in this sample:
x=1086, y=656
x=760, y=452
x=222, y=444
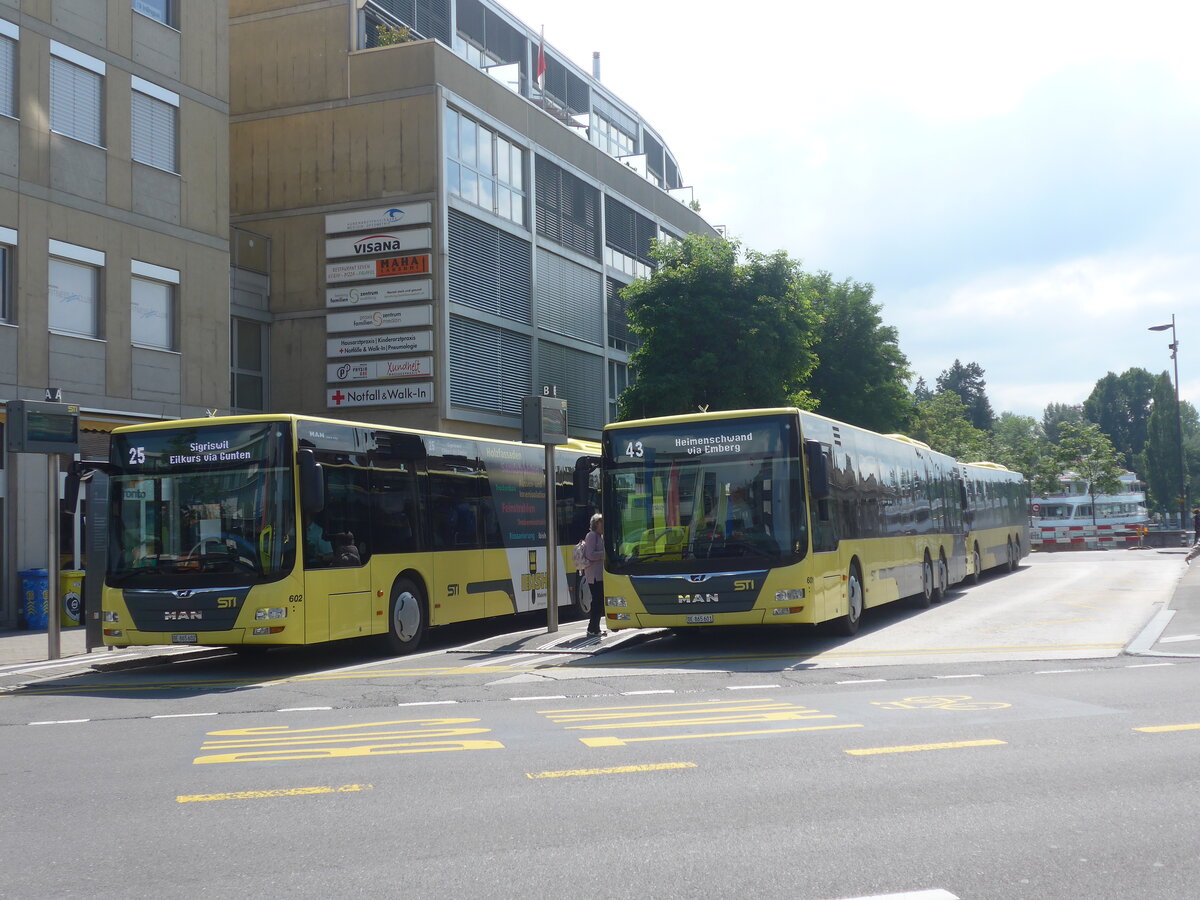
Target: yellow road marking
x=782, y=716
x=621, y=742
x=614, y=770
x=278, y=743
x=1155, y=729
x=916, y=748
x=279, y=792
x=621, y=710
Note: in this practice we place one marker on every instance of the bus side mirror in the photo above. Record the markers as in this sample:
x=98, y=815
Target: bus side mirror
x=312, y=482
x=818, y=470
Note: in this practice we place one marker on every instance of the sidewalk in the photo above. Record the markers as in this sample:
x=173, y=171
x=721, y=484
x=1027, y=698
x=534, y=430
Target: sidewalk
x=18, y=647
x=1176, y=630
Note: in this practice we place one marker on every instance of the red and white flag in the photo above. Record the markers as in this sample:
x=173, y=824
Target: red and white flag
x=541, y=62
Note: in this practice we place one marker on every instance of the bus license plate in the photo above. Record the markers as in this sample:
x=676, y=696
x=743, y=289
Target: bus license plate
x=699, y=620
x=183, y=639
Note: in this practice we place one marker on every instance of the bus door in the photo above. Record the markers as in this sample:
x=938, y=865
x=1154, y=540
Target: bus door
x=336, y=545
x=827, y=569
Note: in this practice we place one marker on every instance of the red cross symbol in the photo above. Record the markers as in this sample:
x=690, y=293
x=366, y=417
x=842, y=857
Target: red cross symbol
x=338, y=397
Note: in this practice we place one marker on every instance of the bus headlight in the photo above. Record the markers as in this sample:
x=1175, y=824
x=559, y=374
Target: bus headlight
x=615, y=601
x=621, y=617
x=267, y=629
x=111, y=616
x=789, y=596
x=270, y=612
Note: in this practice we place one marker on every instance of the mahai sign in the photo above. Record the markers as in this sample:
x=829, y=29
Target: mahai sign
x=383, y=395
x=380, y=217
x=379, y=242
x=367, y=269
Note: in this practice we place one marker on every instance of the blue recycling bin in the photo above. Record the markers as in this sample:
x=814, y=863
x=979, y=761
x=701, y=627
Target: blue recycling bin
x=35, y=593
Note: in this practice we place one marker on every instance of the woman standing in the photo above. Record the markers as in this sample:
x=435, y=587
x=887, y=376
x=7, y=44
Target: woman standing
x=593, y=550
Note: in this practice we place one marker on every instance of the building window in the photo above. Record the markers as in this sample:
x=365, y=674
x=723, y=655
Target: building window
x=76, y=94
x=74, y=295
x=8, y=255
x=9, y=33
x=152, y=305
x=620, y=376
x=158, y=10
x=249, y=356
x=155, y=125
x=484, y=168
x=568, y=209
x=610, y=138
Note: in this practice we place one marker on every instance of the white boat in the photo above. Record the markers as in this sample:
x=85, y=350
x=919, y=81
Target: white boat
x=1073, y=506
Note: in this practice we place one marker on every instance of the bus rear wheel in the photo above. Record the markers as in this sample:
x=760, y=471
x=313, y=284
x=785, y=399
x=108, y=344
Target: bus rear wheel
x=847, y=624
x=924, y=599
x=581, y=596
x=941, y=580
x=406, y=617
x=976, y=566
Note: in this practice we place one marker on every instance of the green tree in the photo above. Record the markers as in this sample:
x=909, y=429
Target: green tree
x=1019, y=443
x=1087, y=451
x=921, y=391
x=1055, y=414
x=1120, y=405
x=861, y=374
x=967, y=381
x=1158, y=464
x=941, y=422
x=718, y=333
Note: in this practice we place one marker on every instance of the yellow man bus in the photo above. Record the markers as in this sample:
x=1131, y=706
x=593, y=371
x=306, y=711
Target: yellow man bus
x=774, y=516
x=253, y=531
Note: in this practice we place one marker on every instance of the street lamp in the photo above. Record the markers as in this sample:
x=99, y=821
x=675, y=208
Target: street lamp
x=1174, y=347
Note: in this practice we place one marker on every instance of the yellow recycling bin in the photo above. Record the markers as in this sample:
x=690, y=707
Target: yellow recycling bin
x=70, y=588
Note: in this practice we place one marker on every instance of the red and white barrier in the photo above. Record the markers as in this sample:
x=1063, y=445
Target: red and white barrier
x=1084, y=537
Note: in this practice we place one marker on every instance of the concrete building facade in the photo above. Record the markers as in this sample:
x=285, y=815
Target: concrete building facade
x=446, y=234
x=403, y=211
x=114, y=229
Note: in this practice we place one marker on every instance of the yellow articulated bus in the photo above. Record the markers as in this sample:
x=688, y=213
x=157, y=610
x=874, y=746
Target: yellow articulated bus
x=774, y=516
x=254, y=531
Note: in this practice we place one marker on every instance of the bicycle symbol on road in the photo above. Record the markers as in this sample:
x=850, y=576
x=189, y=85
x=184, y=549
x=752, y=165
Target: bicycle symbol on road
x=950, y=701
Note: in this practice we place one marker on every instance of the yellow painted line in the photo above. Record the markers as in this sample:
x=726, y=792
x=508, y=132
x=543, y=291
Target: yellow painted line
x=621, y=742
x=784, y=716
x=716, y=704
x=614, y=770
x=1157, y=729
x=280, y=792
x=917, y=748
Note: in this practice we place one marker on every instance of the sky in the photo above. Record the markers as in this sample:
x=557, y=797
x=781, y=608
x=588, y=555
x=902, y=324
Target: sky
x=1020, y=182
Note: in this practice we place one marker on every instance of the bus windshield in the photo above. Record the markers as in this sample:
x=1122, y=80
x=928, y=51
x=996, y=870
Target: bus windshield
x=202, y=507
x=703, y=496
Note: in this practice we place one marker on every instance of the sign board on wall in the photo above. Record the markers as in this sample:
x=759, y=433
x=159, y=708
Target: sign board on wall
x=367, y=269
x=405, y=342
x=379, y=242
x=371, y=294
x=380, y=369
x=382, y=395
x=376, y=319
x=380, y=217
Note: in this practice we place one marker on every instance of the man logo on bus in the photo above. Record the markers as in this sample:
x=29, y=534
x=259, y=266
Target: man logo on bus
x=699, y=598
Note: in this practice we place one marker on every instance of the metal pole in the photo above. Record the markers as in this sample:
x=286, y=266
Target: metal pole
x=52, y=626
x=1179, y=430
x=551, y=542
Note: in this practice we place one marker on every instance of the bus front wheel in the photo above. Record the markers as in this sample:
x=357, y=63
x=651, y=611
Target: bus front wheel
x=924, y=599
x=976, y=566
x=406, y=618
x=847, y=624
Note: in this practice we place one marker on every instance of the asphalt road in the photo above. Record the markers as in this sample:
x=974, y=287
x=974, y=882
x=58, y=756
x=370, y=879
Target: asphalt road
x=1000, y=745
